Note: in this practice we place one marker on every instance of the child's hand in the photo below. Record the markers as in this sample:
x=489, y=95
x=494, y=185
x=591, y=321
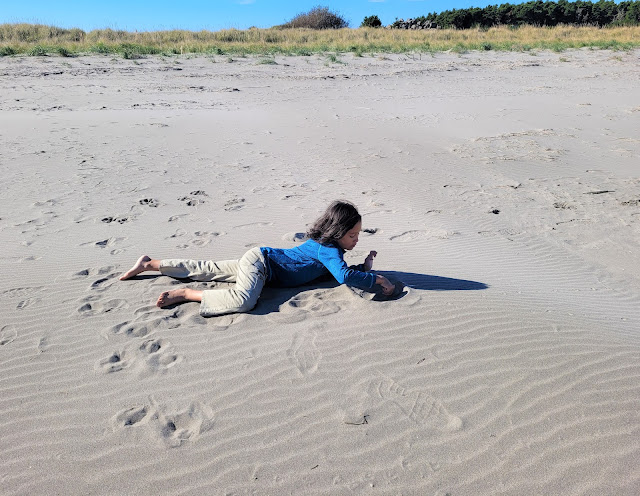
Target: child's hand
x=387, y=287
x=368, y=262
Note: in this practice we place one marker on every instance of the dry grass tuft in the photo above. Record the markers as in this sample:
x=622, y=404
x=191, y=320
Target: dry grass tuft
x=34, y=38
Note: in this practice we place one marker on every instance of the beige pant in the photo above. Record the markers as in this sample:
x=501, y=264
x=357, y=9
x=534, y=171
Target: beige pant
x=249, y=273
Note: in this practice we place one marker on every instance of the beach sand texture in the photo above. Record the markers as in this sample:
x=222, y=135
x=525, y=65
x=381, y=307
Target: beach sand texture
x=502, y=189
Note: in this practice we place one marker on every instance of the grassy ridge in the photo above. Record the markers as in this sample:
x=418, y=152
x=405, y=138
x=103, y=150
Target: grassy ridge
x=34, y=39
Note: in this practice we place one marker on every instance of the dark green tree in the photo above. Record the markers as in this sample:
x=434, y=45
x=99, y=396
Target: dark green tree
x=371, y=22
x=541, y=13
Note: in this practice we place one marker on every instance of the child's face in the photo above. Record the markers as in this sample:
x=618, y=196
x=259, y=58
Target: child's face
x=350, y=240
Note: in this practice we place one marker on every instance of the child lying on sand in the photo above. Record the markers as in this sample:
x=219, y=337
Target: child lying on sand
x=334, y=232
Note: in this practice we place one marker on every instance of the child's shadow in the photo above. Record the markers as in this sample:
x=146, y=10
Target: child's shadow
x=273, y=298
x=432, y=283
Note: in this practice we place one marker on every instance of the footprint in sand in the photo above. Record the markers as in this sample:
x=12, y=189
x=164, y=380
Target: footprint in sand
x=32, y=225
x=120, y=219
x=152, y=356
x=133, y=329
x=315, y=302
x=106, y=243
x=296, y=237
x=149, y=202
x=418, y=406
x=220, y=323
x=30, y=258
x=203, y=238
x=426, y=234
x=28, y=302
x=136, y=415
x=8, y=334
x=90, y=307
x=194, y=198
x=173, y=429
x=175, y=218
x=43, y=344
x=187, y=425
x=191, y=202
x=104, y=283
x=151, y=315
x=158, y=355
x=151, y=346
x=177, y=234
x=544, y=145
x=254, y=225
x=234, y=204
x=147, y=319
x=303, y=305
x=93, y=272
x=21, y=292
x=304, y=354
x=115, y=362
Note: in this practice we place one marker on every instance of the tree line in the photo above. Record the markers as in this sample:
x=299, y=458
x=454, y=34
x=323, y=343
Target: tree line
x=539, y=13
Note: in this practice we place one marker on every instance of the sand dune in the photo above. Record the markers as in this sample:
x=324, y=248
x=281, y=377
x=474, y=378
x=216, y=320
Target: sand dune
x=501, y=191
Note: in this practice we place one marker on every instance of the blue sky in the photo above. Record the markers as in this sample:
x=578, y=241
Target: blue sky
x=143, y=15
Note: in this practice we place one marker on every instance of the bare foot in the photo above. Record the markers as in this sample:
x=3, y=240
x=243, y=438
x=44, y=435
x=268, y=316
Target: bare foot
x=171, y=298
x=178, y=296
x=144, y=263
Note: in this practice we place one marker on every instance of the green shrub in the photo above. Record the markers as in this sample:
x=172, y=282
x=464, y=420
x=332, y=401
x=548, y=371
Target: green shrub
x=135, y=51
x=129, y=51
x=333, y=58
x=371, y=22
x=38, y=51
x=4, y=51
x=100, y=48
x=317, y=18
x=63, y=52
x=459, y=48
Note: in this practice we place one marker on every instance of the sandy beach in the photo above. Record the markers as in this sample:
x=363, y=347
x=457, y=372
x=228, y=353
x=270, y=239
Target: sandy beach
x=502, y=189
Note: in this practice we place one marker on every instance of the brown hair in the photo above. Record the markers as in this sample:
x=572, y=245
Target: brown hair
x=337, y=220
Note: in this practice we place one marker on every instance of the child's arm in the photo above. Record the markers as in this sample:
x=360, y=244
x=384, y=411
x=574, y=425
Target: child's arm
x=387, y=287
x=343, y=274
x=368, y=262
x=331, y=258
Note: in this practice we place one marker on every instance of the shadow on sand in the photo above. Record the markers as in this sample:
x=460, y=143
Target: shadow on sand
x=432, y=283
x=272, y=298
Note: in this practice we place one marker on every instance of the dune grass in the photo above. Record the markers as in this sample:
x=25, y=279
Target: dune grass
x=37, y=40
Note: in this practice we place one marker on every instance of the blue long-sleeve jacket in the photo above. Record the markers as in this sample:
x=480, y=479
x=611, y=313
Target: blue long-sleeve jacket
x=302, y=264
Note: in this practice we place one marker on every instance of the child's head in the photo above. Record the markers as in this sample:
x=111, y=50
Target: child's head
x=340, y=224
